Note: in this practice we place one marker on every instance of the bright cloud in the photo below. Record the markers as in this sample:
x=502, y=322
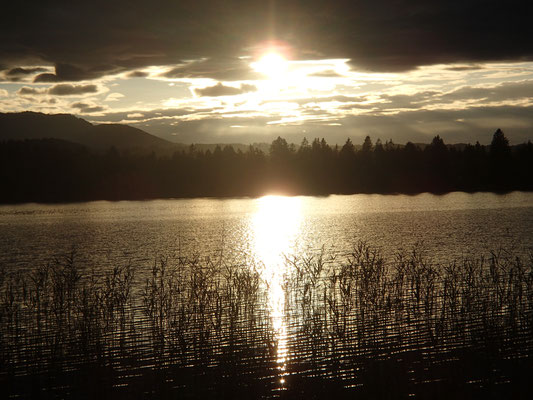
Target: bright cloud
x=327, y=98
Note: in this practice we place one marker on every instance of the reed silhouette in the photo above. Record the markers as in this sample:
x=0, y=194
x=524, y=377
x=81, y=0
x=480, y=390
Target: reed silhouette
x=360, y=324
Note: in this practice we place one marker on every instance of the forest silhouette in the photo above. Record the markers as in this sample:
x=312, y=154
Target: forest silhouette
x=52, y=170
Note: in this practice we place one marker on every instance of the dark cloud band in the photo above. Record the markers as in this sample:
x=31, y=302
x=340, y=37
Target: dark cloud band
x=85, y=40
x=62, y=89
x=85, y=108
x=65, y=89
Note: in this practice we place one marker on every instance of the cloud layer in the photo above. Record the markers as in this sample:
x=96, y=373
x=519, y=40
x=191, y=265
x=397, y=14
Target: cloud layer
x=62, y=89
x=220, y=90
x=86, y=40
x=401, y=70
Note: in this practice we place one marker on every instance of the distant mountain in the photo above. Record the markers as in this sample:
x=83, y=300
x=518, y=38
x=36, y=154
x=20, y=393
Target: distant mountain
x=124, y=136
x=31, y=125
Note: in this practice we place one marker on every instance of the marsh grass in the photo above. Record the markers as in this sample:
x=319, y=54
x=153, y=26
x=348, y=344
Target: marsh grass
x=410, y=326
x=201, y=327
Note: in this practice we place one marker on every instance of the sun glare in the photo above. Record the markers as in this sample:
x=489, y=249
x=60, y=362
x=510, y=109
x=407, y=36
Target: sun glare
x=275, y=227
x=272, y=64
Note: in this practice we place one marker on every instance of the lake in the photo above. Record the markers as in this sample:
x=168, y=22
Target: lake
x=103, y=233
x=282, y=292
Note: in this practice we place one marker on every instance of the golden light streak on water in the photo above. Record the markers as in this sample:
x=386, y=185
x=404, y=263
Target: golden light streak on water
x=276, y=225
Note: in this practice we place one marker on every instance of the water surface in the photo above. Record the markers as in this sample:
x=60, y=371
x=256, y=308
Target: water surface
x=279, y=294
x=103, y=233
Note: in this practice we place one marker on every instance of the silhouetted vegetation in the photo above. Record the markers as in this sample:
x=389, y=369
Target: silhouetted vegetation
x=356, y=325
x=48, y=170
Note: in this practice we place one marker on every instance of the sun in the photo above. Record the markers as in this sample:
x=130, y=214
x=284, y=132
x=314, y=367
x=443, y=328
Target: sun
x=272, y=64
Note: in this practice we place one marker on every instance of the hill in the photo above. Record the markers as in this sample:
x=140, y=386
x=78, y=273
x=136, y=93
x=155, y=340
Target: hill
x=32, y=125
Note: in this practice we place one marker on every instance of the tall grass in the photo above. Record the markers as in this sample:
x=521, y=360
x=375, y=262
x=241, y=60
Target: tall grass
x=202, y=327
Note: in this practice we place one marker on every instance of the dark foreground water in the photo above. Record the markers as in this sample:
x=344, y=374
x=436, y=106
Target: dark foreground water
x=269, y=297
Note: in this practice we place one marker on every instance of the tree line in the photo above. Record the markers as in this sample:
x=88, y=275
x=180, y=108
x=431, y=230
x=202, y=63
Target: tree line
x=49, y=170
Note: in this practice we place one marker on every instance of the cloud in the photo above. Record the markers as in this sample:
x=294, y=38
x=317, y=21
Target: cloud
x=136, y=115
x=19, y=73
x=387, y=102
x=29, y=91
x=461, y=98
x=516, y=93
x=24, y=71
x=114, y=97
x=64, y=72
x=459, y=68
x=65, y=89
x=417, y=126
x=86, y=108
x=326, y=74
x=58, y=90
x=220, y=68
x=248, y=88
x=3, y=93
x=72, y=73
x=137, y=74
x=165, y=115
x=498, y=93
x=220, y=90
x=213, y=125
x=87, y=40
x=478, y=123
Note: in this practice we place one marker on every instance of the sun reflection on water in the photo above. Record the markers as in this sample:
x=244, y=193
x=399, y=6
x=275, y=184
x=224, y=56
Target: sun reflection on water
x=276, y=225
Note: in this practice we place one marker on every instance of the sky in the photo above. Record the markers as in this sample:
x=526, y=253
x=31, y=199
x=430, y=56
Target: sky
x=245, y=71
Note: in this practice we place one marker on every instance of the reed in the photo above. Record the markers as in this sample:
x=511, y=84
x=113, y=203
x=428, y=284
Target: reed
x=197, y=326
